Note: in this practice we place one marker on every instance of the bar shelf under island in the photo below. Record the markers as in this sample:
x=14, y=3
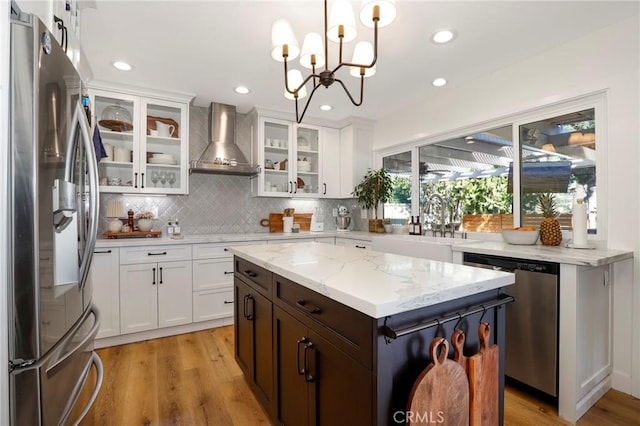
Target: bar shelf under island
x=330, y=335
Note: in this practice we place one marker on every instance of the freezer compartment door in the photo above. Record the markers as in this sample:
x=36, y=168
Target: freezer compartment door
x=64, y=371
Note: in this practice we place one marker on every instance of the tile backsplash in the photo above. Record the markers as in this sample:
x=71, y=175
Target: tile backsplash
x=220, y=204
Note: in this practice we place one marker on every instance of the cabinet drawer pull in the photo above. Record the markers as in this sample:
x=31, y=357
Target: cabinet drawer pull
x=325, y=189
x=102, y=251
x=362, y=247
x=226, y=249
x=228, y=302
x=164, y=253
x=160, y=276
x=301, y=371
x=142, y=180
x=250, y=273
x=135, y=180
x=308, y=307
x=246, y=313
x=308, y=376
x=153, y=282
x=228, y=272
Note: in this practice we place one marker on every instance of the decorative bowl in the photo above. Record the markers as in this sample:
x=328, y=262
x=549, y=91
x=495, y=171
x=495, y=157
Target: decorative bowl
x=520, y=236
x=145, y=225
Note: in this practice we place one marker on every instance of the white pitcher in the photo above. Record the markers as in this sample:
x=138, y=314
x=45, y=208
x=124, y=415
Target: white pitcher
x=164, y=130
x=108, y=148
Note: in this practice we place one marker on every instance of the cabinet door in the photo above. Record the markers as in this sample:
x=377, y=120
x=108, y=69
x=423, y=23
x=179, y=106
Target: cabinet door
x=119, y=171
x=330, y=160
x=340, y=389
x=274, y=153
x=163, y=158
x=105, y=281
x=253, y=339
x=175, y=295
x=138, y=297
x=305, y=161
x=291, y=342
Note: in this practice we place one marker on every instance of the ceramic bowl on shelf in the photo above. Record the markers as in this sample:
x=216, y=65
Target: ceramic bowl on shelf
x=162, y=159
x=520, y=236
x=145, y=225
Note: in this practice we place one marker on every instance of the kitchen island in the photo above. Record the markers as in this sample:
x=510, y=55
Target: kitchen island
x=336, y=335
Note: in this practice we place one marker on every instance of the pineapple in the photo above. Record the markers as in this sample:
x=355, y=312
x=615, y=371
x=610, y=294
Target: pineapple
x=550, y=233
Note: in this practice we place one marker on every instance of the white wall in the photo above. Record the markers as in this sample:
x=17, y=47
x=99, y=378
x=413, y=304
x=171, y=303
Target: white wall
x=4, y=113
x=604, y=60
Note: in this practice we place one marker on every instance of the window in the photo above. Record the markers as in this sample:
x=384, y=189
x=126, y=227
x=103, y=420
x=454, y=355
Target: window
x=558, y=156
x=464, y=182
x=398, y=208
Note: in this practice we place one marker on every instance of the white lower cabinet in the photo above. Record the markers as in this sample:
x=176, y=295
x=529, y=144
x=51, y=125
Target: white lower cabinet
x=105, y=282
x=213, y=280
x=155, y=295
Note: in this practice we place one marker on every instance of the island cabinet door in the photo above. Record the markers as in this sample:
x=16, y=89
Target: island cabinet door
x=253, y=340
x=341, y=389
x=316, y=383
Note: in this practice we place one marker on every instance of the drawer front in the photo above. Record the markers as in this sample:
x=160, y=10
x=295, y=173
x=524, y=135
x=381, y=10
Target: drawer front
x=133, y=255
x=213, y=304
x=255, y=276
x=216, y=250
x=212, y=273
x=348, y=329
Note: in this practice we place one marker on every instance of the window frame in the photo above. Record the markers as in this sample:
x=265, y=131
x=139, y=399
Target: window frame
x=596, y=100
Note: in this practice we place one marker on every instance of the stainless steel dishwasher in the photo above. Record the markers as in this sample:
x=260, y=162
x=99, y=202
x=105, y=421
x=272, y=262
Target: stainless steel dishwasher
x=531, y=330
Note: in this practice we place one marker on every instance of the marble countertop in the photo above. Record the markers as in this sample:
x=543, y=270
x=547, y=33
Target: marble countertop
x=374, y=283
x=588, y=257
x=228, y=238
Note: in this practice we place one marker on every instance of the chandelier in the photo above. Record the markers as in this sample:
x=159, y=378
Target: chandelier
x=339, y=28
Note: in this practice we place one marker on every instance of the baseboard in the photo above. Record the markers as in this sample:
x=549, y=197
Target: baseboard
x=621, y=381
x=592, y=397
x=161, y=332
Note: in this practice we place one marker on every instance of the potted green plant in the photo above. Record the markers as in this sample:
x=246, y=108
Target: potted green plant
x=375, y=187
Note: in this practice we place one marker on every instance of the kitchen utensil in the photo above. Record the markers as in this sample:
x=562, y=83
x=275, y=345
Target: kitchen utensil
x=287, y=223
x=116, y=118
x=151, y=124
x=164, y=130
x=457, y=341
x=268, y=164
x=483, y=381
x=162, y=159
x=275, y=221
x=289, y=211
x=520, y=237
x=153, y=132
x=115, y=181
x=343, y=222
x=441, y=390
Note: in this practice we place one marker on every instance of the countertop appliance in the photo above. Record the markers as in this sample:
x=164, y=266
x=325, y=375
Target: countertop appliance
x=53, y=212
x=531, y=331
x=343, y=220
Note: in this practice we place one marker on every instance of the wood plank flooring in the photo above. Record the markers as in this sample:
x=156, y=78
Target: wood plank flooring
x=192, y=379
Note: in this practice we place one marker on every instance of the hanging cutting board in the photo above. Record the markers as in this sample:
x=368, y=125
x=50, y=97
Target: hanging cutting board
x=441, y=392
x=483, y=381
x=276, y=225
x=457, y=341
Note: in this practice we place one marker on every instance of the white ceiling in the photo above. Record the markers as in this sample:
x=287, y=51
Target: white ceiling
x=209, y=47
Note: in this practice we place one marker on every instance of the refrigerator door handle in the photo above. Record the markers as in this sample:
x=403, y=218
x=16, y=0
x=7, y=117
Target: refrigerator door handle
x=81, y=125
x=97, y=363
x=51, y=370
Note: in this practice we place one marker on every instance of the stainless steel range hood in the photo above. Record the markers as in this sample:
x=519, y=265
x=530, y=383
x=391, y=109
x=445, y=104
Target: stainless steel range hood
x=222, y=155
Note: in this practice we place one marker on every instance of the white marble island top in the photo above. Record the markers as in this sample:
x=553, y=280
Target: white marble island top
x=374, y=283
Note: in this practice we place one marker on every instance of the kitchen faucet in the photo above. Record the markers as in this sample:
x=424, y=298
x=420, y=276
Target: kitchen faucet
x=443, y=213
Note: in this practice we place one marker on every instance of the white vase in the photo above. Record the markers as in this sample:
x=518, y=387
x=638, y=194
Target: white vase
x=145, y=224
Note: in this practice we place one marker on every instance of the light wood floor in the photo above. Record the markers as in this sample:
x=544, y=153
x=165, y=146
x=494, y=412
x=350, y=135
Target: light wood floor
x=193, y=379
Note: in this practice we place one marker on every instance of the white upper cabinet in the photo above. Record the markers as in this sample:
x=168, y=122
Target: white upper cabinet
x=146, y=140
x=295, y=159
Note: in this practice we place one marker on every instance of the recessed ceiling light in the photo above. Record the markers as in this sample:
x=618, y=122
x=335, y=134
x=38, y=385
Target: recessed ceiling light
x=326, y=107
x=444, y=36
x=243, y=90
x=122, y=66
x=438, y=82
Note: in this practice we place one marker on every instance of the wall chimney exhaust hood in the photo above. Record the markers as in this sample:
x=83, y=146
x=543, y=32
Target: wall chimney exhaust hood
x=222, y=156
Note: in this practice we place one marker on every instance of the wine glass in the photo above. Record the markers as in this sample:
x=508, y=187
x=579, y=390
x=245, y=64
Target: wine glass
x=163, y=178
x=171, y=178
x=154, y=178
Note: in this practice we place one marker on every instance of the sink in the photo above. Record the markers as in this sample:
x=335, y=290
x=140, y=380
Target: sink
x=426, y=247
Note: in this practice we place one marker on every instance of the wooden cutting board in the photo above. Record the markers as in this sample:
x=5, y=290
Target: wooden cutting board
x=440, y=394
x=457, y=341
x=483, y=381
x=276, y=225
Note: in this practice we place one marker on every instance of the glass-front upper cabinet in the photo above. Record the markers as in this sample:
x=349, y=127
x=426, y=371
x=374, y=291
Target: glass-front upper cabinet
x=291, y=158
x=146, y=142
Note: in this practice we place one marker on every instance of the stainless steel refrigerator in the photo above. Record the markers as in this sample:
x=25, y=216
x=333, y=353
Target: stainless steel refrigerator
x=54, y=373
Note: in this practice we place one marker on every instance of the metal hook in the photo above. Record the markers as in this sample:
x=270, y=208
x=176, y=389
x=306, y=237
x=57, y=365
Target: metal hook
x=459, y=320
x=484, y=311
